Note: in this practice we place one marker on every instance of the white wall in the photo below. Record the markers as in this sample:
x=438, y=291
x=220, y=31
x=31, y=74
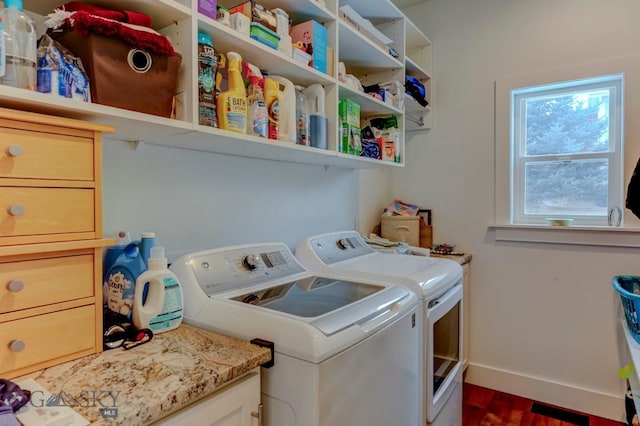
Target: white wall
x=196, y=200
x=543, y=317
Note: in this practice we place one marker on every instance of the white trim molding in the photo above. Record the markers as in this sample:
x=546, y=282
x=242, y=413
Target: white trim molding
x=575, y=235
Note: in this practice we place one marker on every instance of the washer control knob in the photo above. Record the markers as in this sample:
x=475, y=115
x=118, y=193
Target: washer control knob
x=342, y=244
x=250, y=262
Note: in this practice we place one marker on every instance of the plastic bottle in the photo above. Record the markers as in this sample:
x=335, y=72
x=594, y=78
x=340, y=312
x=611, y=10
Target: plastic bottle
x=3, y=58
x=302, y=118
x=114, y=251
x=162, y=310
x=207, y=66
x=232, y=104
x=272, y=98
x=120, y=280
x=257, y=114
x=147, y=241
x=314, y=97
x=20, y=46
x=287, y=104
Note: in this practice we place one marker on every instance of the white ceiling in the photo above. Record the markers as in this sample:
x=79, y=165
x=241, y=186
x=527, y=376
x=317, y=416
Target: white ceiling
x=406, y=3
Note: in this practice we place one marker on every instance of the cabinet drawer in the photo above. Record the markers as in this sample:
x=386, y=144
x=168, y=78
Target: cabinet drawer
x=38, y=282
x=46, y=337
x=39, y=155
x=32, y=210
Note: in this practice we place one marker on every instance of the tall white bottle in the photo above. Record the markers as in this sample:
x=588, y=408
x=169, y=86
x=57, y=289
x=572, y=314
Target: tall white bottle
x=162, y=309
x=20, y=42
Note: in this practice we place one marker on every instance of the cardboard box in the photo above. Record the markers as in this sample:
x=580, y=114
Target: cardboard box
x=349, y=113
x=313, y=38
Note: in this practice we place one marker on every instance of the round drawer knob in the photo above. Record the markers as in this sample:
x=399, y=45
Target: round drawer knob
x=17, y=345
x=16, y=210
x=15, y=286
x=15, y=150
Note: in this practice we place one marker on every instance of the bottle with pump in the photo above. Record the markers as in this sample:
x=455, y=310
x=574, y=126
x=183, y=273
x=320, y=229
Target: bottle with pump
x=20, y=46
x=162, y=308
x=232, y=104
x=257, y=114
x=272, y=99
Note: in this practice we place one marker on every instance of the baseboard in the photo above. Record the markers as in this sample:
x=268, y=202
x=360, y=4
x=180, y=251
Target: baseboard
x=560, y=394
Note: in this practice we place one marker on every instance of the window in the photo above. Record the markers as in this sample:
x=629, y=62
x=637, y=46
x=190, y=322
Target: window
x=566, y=151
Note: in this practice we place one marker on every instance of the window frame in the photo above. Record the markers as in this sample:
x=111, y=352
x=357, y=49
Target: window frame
x=614, y=83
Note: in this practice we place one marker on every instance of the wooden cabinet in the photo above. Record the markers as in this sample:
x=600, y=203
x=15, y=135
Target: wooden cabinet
x=50, y=240
x=236, y=404
x=181, y=22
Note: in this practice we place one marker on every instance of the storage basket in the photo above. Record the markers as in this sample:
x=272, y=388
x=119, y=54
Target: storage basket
x=629, y=289
x=122, y=76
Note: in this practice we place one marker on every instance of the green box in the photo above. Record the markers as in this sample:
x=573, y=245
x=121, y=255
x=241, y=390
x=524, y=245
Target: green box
x=349, y=113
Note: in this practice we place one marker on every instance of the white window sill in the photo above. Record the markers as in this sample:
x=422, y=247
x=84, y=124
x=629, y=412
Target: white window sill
x=576, y=235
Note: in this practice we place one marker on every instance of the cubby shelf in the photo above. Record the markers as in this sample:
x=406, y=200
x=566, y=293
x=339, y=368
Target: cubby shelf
x=180, y=21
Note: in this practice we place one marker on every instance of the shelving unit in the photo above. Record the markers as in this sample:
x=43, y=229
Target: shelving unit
x=418, y=64
x=180, y=21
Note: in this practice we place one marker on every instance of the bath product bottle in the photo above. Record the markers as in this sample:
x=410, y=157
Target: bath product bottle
x=162, y=309
x=207, y=65
x=302, y=118
x=232, y=104
x=272, y=99
x=20, y=46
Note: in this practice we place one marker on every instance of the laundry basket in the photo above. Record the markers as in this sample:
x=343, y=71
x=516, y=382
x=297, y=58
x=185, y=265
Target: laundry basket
x=629, y=289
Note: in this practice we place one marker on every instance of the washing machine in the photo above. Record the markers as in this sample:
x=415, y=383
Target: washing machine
x=438, y=284
x=346, y=352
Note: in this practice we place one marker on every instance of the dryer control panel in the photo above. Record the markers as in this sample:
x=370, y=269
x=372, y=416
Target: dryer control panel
x=336, y=247
x=223, y=270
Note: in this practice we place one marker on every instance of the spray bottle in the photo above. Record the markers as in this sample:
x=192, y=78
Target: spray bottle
x=257, y=114
x=232, y=104
x=162, y=309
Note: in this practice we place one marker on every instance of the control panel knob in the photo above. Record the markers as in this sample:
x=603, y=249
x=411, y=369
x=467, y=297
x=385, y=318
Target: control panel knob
x=250, y=262
x=342, y=244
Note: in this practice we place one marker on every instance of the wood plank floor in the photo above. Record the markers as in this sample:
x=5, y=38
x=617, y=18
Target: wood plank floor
x=487, y=407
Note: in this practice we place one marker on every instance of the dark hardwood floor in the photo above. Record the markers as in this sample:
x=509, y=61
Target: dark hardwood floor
x=487, y=407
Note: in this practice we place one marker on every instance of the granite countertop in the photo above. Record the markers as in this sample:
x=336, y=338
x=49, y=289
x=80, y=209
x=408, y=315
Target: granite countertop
x=152, y=380
x=461, y=259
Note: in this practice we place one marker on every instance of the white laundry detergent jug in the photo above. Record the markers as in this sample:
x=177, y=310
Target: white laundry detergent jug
x=287, y=109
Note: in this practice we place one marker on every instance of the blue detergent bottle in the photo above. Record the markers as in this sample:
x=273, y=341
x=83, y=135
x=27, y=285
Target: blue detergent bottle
x=113, y=252
x=120, y=280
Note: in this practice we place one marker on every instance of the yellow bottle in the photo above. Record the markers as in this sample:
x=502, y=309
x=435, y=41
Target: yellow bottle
x=232, y=104
x=272, y=99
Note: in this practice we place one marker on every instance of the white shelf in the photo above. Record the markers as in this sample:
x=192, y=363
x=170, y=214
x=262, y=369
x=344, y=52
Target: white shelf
x=180, y=21
x=368, y=104
x=352, y=47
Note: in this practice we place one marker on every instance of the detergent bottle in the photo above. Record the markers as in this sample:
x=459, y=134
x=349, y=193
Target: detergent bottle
x=272, y=98
x=114, y=251
x=162, y=308
x=232, y=104
x=120, y=280
x=314, y=98
x=287, y=103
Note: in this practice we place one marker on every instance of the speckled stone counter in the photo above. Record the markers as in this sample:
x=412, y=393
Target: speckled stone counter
x=462, y=259
x=154, y=379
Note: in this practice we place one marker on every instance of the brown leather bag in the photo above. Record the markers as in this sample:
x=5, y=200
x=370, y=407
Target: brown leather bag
x=123, y=76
